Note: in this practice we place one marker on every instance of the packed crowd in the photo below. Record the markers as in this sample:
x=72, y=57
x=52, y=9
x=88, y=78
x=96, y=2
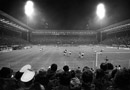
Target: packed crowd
x=65, y=40
x=125, y=40
x=107, y=77
x=8, y=40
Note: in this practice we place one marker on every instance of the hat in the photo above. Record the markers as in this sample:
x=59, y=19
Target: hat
x=27, y=76
x=25, y=68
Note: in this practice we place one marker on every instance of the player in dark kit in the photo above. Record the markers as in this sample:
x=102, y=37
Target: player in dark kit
x=81, y=54
x=65, y=52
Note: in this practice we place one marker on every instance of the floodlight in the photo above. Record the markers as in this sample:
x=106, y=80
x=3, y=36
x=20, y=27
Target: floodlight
x=100, y=10
x=29, y=8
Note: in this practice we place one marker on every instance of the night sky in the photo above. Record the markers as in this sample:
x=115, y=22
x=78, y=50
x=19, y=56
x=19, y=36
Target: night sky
x=68, y=14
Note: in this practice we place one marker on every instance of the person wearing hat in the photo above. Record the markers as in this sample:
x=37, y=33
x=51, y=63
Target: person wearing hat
x=19, y=73
x=28, y=83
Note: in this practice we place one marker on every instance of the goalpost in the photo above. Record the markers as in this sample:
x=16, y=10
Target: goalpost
x=116, y=58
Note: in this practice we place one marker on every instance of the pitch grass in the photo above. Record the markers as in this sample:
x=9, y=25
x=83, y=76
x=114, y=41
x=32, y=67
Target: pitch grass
x=54, y=54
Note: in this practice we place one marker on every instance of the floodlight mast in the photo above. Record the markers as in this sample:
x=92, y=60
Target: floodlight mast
x=101, y=14
x=29, y=11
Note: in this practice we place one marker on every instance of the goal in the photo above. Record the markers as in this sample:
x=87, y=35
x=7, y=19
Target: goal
x=116, y=58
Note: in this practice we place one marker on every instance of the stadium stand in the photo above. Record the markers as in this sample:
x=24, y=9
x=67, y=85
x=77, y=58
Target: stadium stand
x=64, y=37
x=13, y=32
x=8, y=40
x=117, y=34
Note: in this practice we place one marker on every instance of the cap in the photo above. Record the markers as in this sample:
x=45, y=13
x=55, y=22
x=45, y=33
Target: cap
x=27, y=76
x=25, y=68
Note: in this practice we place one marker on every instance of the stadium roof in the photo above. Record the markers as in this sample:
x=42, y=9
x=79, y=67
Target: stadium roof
x=68, y=14
x=115, y=26
x=13, y=20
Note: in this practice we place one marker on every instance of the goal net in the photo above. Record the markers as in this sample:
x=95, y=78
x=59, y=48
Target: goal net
x=116, y=58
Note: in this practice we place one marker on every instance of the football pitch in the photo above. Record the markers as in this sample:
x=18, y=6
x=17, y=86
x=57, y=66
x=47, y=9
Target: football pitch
x=43, y=56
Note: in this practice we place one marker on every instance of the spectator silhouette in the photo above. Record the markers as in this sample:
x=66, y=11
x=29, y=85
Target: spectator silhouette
x=6, y=72
x=87, y=78
x=65, y=76
x=122, y=79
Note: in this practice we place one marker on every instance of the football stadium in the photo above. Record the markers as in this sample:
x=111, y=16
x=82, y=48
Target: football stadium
x=63, y=59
